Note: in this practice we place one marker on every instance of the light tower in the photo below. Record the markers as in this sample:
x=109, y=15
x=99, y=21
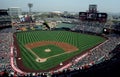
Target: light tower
x=30, y=5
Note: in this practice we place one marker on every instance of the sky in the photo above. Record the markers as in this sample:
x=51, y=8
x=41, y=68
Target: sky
x=62, y=5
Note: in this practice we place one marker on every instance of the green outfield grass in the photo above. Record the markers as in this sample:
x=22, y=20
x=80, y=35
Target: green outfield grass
x=81, y=41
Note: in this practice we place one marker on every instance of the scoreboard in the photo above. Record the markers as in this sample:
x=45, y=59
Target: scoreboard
x=89, y=16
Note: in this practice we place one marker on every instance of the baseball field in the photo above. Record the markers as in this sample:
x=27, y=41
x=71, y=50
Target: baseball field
x=43, y=50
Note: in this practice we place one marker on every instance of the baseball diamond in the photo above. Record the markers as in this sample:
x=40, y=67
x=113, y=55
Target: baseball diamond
x=44, y=50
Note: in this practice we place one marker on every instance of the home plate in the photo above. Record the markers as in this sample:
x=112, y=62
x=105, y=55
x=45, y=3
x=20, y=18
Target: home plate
x=41, y=60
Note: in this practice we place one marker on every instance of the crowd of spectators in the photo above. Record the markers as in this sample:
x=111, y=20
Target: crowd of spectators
x=94, y=27
x=95, y=56
x=5, y=43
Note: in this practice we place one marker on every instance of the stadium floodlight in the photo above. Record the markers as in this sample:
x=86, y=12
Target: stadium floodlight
x=30, y=5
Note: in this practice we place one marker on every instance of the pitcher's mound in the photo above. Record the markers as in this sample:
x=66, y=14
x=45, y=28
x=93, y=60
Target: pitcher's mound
x=41, y=60
x=47, y=50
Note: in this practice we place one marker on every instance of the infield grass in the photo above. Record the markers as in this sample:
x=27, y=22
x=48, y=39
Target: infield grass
x=41, y=50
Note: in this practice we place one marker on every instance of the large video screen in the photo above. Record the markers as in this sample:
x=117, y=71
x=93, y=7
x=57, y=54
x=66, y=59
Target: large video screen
x=86, y=16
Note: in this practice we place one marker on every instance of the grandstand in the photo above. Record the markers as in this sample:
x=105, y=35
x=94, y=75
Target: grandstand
x=75, y=49
x=5, y=20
